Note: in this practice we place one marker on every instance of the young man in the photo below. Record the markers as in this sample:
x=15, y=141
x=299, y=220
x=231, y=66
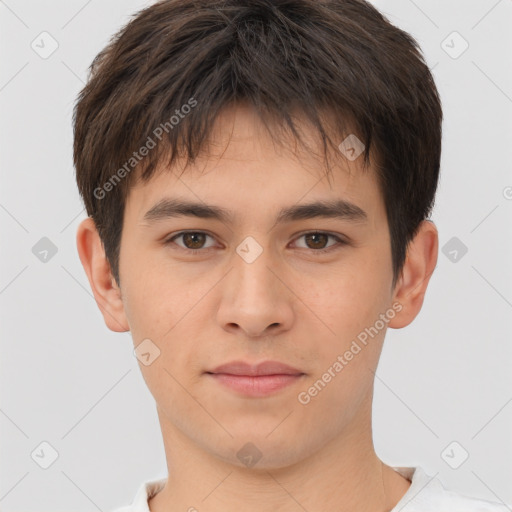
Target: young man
x=258, y=177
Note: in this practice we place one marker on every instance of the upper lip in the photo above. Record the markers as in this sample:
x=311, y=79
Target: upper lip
x=263, y=368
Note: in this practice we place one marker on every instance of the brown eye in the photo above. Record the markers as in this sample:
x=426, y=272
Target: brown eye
x=191, y=241
x=317, y=241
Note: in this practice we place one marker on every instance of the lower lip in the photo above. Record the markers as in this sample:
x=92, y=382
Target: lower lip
x=256, y=386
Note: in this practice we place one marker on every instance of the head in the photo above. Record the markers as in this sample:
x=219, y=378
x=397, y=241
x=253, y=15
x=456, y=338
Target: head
x=295, y=126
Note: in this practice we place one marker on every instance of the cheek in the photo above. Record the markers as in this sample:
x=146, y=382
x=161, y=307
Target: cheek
x=149, y=292
x=349, y=350
x=348, y=297
x=149, y=302
x=347, y=304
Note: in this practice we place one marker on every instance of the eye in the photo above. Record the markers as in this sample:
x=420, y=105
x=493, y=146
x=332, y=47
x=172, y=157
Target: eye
x=316, y=241
x=193, y=241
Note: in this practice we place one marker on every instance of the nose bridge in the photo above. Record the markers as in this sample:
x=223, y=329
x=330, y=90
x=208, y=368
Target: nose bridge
x=255, y=299
x=253, y=277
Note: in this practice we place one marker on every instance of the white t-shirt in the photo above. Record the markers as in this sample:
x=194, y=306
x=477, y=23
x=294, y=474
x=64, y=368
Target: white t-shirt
x=426, y=494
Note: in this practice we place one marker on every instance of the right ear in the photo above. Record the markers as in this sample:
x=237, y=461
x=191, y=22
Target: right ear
x=103, y=285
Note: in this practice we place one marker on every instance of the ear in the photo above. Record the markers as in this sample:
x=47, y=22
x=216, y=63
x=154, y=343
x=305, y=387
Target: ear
x=103, y=285
x=421, y=260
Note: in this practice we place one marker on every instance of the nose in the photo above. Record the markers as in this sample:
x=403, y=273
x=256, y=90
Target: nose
x=255, y=298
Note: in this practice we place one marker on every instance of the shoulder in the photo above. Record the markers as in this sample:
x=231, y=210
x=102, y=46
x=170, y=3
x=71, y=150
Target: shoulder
x=427, y=494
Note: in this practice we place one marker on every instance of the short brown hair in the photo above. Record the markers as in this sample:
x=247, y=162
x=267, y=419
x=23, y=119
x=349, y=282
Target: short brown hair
x=337, y=56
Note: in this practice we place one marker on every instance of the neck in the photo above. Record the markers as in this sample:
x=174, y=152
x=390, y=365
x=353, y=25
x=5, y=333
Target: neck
x=344, y=474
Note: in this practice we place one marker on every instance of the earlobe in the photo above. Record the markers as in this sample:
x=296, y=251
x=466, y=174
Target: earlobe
x=103, y=286
x=419, y=266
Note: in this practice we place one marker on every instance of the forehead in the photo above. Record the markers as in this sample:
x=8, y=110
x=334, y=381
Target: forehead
x=244, y=169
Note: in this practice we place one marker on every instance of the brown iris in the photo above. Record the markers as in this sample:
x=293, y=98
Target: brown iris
x=197, y=240
x=318, y=239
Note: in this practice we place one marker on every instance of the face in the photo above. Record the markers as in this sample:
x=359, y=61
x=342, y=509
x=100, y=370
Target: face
x=307, y=290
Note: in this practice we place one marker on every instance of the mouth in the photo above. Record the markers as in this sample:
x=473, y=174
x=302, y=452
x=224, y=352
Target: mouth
x=256, y=380
x=243, y=368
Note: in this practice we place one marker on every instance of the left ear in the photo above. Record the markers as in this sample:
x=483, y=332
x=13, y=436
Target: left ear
x=421, y=260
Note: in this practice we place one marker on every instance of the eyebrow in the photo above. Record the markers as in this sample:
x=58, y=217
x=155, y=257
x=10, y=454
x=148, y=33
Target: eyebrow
x=341, y=209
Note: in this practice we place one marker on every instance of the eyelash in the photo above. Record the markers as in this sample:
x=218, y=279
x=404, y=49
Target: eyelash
x=340, y=243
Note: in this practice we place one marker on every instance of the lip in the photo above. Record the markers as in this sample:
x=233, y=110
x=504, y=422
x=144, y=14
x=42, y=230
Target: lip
x=265, y=368
x=255, y=380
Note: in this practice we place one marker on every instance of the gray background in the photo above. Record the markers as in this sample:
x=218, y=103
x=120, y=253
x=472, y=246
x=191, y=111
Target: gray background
x=69, y=381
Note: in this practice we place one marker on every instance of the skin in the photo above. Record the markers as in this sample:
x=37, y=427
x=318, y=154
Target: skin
x=292, y=304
